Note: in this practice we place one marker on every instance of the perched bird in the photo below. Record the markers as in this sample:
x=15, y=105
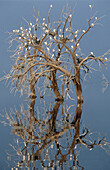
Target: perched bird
x=36, y=40
x=79, y=59
x=52, y=33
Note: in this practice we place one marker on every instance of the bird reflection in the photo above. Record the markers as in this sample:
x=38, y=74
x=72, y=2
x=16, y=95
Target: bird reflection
x=105, y=83
x=50, y=139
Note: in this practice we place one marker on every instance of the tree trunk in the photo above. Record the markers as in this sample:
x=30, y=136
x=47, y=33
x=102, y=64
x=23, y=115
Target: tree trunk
x=52, y=120
x=55, y=86
x=77, y=116
x=32, y=84
x=32, y=80
x=78, y=87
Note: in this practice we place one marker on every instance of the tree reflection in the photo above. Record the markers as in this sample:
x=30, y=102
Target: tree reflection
x=50, y=139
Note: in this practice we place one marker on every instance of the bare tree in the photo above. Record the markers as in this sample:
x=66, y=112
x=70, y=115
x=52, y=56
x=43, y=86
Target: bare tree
x=51, y=50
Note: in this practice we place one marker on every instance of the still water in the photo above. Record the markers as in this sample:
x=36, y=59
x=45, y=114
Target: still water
x=58, y=135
